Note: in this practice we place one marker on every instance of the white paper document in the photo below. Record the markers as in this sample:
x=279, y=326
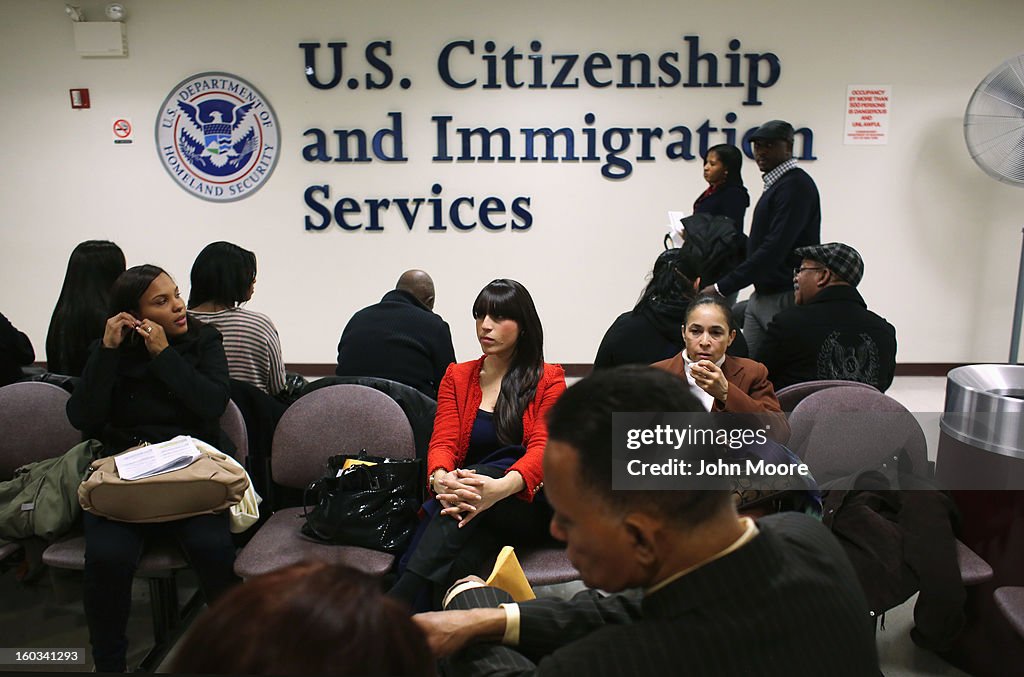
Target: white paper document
x=675, y=227
x=156, y=459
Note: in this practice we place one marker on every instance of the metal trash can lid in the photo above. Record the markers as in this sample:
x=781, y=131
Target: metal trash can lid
x=985, y=407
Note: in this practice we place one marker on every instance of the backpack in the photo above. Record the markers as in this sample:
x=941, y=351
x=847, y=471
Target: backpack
x=42, y=498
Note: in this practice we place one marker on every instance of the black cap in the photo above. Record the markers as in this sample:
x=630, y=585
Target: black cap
x=772, y=130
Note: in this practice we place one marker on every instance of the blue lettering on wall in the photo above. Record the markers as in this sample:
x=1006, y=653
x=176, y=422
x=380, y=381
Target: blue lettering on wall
x=460, y=66
x=463, y=213
x=467, y=63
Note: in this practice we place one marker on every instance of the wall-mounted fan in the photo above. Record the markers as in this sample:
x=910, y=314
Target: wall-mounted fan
x=994, y=131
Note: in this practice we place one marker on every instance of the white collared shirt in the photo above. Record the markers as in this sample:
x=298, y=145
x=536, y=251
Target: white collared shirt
x=706, y=399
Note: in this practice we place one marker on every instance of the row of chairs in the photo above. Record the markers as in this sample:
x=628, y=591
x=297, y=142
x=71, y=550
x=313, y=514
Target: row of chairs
x=346, y=418
x=327, y=421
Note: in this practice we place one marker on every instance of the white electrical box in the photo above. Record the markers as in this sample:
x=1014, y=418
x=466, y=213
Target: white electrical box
x=100, y=38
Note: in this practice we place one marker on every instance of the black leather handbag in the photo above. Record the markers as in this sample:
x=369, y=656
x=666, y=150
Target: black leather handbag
x=370, y=506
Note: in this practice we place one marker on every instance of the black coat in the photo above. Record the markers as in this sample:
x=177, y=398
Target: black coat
x=15, y=352
x=397, y=339
x=648, y=336
x=126, y=397
x=834, y=336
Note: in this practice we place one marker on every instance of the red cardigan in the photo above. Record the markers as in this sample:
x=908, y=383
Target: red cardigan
x=458, y=400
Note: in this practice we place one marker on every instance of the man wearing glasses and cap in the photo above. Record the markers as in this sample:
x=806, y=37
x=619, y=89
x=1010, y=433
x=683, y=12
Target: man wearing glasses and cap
x=830, y=334
x=788, y=215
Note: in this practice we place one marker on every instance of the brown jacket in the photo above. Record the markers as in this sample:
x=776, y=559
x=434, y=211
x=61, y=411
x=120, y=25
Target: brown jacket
x=750, y=391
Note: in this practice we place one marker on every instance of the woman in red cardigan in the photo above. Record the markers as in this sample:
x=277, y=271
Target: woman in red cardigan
x=484, y=460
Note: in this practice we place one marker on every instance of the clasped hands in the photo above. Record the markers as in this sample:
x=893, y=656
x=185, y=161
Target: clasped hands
x=465, y=493
x=709, y=377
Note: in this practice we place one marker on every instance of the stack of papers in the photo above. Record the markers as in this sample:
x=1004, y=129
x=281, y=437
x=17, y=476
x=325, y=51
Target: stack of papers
x=157, y=459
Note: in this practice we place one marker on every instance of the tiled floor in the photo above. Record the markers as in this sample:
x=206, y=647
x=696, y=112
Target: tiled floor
x=38, y=616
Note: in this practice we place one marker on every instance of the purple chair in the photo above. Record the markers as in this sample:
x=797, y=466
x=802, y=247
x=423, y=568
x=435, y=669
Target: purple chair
x=973, y=569
x=34, y=425
x=834, y=445
x=338, y=419
x=1010, y=600
x=792, y=395
x=232, y=423
x=8, y=549
x=840, y=430
x=546, y=566
x=159, y=564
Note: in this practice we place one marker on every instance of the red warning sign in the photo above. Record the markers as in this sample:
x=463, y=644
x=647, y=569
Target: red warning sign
x=122, y=128
x=867, y=115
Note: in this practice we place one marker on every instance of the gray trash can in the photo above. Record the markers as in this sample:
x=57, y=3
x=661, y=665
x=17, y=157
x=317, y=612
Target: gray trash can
x=981, y=432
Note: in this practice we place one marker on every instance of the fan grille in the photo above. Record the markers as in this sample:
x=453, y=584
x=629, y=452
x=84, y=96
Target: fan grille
x=994, y=123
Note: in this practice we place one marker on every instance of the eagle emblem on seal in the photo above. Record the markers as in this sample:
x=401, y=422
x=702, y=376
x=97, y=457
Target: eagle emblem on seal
x=216, y=136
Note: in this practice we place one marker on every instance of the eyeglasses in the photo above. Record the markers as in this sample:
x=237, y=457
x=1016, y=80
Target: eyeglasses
x=797, y=271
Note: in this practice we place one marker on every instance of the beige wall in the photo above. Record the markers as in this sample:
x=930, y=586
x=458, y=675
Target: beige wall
x=940, y=238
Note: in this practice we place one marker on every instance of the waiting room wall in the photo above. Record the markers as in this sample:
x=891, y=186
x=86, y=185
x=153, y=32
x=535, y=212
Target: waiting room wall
x=941, y=239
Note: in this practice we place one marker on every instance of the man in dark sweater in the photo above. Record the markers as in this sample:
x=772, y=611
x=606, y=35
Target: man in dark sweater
x=787, y=216
x=399, y=338
x=830, y=334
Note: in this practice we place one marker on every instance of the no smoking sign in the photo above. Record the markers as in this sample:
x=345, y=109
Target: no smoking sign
x=123, y=130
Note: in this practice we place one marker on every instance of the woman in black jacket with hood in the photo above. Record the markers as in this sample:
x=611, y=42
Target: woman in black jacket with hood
x=152, y=376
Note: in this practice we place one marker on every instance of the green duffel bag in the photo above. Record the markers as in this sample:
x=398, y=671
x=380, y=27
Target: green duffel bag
x=42, y=499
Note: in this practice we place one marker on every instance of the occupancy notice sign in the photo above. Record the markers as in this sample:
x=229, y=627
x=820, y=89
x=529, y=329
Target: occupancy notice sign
x=867, y=115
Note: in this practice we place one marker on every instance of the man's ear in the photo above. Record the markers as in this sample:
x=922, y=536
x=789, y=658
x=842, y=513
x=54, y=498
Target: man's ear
x=643, y=530
x=696, y=284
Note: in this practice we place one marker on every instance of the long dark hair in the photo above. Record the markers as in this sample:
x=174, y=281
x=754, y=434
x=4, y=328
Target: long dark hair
x=222, y=273
x=81, y=311
x=732, y=158
x=507, y=299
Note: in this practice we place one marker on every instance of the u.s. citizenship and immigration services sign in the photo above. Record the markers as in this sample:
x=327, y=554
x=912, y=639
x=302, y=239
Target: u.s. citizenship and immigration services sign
x=217, y=137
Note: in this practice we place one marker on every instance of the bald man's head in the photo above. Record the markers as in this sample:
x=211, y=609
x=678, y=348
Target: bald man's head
x=419, y=284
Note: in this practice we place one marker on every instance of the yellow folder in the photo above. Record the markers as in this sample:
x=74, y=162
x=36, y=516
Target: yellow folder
x=349, y=462
x=508, y=575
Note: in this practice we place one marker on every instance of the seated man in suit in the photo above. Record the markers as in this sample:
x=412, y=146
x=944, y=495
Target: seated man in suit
x=830, y=334
x=722, y=595
x=400, y=338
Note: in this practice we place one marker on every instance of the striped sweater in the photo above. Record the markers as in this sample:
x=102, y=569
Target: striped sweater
x=252, y=346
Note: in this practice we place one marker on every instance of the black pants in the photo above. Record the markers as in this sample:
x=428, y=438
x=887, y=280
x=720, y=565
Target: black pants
x=447, y=553
x=112, y=552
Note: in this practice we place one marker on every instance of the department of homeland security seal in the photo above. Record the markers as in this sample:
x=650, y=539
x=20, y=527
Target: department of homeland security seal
x=217, y=137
